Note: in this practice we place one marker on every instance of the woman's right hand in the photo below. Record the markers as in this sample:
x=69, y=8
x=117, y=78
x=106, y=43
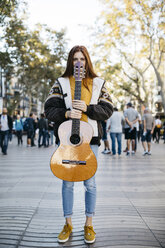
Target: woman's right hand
x=73, y=114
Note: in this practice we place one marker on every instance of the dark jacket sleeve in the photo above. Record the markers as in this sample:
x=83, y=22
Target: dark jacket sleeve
x=55, y=108
x=103, y=110
x=10, y=123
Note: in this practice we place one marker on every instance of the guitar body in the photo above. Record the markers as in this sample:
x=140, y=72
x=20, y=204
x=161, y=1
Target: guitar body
x=74, y=162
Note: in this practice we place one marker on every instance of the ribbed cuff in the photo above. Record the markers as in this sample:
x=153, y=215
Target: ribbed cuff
x=89, y=214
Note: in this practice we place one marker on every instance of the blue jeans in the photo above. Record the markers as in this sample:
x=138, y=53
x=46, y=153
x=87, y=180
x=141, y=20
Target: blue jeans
x=115, y=136
x=4, y=138
x=51, y=132
x=90, y=194
x=42, y=135
x=46, y=138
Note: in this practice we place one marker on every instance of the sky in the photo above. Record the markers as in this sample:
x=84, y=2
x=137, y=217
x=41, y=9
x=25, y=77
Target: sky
x=76, y=16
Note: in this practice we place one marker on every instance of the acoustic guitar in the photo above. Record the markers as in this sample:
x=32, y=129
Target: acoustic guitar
x=74, y=160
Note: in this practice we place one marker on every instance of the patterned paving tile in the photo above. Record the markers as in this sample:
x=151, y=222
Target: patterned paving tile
x=130, y=210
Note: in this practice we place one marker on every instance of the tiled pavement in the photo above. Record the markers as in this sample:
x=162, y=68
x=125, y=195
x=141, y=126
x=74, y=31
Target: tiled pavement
x=130, y=204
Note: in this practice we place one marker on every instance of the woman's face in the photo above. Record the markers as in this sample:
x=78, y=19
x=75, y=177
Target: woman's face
x=79, y=56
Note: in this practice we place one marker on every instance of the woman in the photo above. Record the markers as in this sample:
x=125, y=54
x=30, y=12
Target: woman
x=19, y=129
x=95, y=106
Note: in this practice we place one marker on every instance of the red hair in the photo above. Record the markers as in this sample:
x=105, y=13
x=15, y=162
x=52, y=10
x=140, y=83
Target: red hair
x=89, y=71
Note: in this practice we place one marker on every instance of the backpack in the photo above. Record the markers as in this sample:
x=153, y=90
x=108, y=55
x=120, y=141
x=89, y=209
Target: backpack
x=16, y=123
x=26, y=125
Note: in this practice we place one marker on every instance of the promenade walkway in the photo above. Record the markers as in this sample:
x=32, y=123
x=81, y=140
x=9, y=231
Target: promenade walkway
x=130, y=210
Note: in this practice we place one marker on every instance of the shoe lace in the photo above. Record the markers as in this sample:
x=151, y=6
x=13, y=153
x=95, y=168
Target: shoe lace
x=89, y=229
x=66, y=229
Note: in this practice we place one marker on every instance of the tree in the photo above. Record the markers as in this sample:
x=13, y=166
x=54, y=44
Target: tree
x=134, y=28
x=38, y=61
x=6, y=9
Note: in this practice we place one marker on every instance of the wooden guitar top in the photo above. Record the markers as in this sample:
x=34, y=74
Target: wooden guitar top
x=74, y=162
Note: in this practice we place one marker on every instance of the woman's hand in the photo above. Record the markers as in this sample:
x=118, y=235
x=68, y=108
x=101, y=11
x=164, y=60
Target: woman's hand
x=80, y=105
x=73, y=114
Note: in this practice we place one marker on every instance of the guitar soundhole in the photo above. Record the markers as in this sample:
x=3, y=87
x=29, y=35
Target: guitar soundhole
x=75, y=139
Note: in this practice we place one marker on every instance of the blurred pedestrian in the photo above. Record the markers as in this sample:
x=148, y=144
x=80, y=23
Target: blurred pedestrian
x=30, y=130
x=131, y=117
x=6, y=125
x=164, y=131
x=105, y=138
x=36, y=119
x=19, y=129
x=139, y=134
x=47, y=135
x=114, y=126
x=42, y=126
x=138, y=131
x=51, y=130
x=148, y=128
x=158, y=125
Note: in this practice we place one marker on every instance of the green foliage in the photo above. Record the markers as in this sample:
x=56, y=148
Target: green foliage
x=37, y=57
x=6, y=9
x=5, y=59
x=132, y=29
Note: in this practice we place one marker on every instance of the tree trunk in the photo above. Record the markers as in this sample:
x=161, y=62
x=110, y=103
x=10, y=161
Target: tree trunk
x=160, y=83
x=30, y=103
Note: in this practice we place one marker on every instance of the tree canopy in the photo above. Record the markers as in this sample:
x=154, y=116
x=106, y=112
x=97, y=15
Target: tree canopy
x=134, y=30
x=33, y=57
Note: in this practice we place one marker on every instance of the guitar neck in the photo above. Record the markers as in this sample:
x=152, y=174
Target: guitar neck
x=77, y=96
x=75, y=126
x=77, y=92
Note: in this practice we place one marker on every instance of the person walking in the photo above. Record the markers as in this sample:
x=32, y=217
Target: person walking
x=47, y=135
x=114, y=126
x=131, y=117
x=30, y=130
x=95, y=106
x=148, y=129
x=42, y=131
x=19, y=129
x=51, y=131
x=105, y=139
x=6, y=126
x=164, y=131
x=158, y=125
x=139, y=128
x=137, y=125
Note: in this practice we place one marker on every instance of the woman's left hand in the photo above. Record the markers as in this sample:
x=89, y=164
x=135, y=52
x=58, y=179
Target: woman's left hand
x=80, y=105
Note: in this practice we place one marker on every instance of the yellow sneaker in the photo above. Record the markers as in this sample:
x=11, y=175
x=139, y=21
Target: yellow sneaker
x=89, y=234
x=65, y=233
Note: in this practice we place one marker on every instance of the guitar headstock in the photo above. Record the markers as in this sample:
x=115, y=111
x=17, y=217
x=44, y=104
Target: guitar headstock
x=79, y=71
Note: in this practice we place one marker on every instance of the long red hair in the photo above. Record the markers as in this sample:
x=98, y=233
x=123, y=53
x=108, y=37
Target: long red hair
x=89, y=71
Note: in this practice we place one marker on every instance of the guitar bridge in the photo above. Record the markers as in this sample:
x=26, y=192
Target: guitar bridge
x=80, y=162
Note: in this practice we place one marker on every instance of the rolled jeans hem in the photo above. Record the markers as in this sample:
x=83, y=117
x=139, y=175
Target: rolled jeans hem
x=89, y=214
x=67, y=215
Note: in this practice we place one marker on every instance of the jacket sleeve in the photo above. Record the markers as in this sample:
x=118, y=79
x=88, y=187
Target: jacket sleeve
x=10, y=123
x=103, y=109
x=55, y=108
